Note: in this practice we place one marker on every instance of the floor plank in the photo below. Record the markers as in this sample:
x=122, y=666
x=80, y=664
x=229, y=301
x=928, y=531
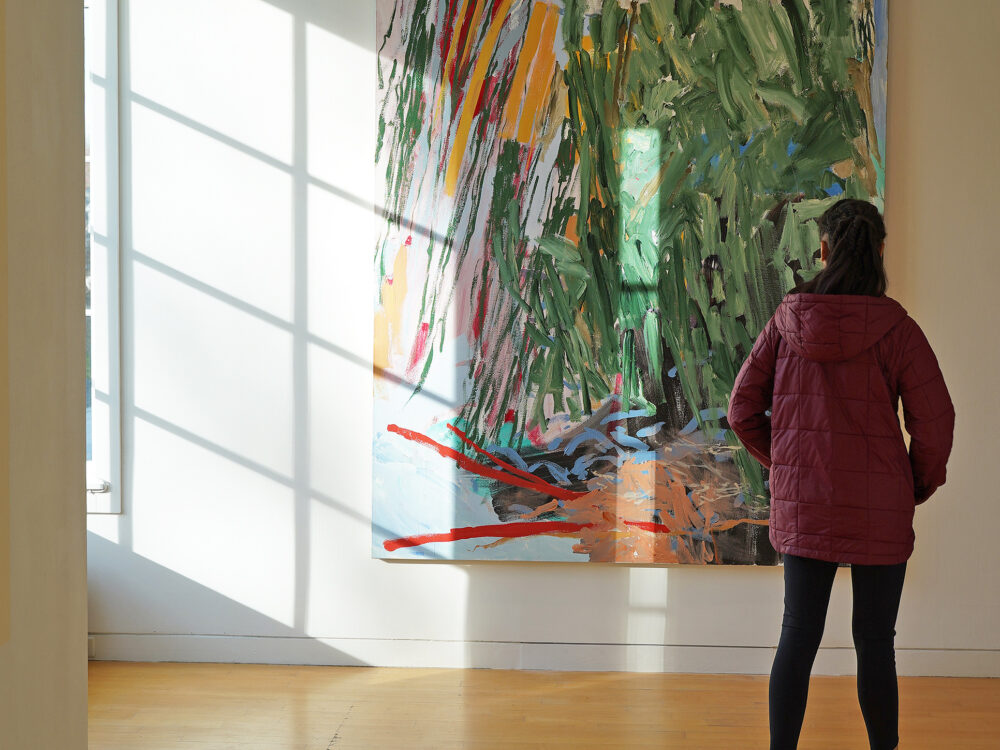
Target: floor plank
x=136, y=706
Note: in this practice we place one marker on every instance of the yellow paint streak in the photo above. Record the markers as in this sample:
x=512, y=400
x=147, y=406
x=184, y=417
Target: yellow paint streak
x=540, y=77
x=389, y=319
x=508, y=127
x=472, y=97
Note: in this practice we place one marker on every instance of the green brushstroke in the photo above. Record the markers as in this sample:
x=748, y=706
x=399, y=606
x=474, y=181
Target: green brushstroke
x=674, y=157
x=722, y=93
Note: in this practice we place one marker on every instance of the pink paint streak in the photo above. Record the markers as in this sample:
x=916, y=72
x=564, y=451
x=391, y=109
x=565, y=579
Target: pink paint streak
x=536, y=437
x=419, y=346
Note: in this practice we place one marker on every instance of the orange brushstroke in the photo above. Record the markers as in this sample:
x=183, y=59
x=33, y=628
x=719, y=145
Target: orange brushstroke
x=472, y=98
x=571, y=233
x=540, y=77
x=508, y=127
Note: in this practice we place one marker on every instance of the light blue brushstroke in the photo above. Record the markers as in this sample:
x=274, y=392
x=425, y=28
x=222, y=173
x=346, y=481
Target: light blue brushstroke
x=588, y=434
x=628, y=441
x=642, y=457
x=559, y=473
x=649, y=431
x=625, y=415
x=706, y=414
x=510, y=454
x=582, y=464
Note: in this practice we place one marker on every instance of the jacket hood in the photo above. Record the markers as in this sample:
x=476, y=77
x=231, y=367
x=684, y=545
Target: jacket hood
x=834, y=327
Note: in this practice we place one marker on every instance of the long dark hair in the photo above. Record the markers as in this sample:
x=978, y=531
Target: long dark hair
x=854, y=231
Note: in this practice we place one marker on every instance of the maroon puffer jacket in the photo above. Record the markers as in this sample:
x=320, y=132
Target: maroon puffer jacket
x=831, y=369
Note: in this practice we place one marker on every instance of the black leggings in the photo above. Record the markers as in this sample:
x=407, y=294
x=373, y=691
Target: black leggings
x=877, y=589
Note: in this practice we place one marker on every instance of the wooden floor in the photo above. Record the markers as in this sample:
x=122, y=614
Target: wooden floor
x=250, y=707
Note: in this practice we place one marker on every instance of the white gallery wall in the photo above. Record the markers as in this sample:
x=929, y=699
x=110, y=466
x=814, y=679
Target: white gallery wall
x=248, y=136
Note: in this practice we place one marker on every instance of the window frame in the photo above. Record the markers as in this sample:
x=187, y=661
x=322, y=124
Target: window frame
x=104, y=469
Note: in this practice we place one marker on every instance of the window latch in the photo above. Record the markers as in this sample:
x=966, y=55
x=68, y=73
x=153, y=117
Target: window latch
x=103, y=488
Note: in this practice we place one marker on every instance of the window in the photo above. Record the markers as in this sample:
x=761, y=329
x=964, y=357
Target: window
x=103, y=449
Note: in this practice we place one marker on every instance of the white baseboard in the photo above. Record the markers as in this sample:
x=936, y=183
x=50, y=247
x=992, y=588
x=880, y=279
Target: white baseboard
x=612, y=657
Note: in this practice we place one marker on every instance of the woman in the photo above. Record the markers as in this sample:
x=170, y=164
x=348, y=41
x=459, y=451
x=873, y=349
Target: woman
x=816, y=402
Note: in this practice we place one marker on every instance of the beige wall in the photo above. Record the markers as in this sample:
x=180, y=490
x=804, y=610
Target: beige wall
x=944, y=266
x=4, y=411
x=43, y=664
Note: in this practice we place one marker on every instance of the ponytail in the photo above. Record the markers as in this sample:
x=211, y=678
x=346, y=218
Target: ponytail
x=854, y=231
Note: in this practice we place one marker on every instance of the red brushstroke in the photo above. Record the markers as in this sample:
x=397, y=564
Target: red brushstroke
x=477, y=319
x=658, y=528
x=540, y=483
x=449, y=28
x=516, y=477
x=494, y=9
x=468, y=464
x=484, y=92
x=463, y=39
x=502, y=530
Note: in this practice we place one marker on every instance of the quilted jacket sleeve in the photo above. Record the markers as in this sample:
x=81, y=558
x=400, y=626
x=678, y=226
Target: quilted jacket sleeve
x=752, y=395
x=928, y=413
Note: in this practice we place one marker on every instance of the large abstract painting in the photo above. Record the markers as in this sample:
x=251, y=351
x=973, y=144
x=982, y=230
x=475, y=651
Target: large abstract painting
x=588, y=211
